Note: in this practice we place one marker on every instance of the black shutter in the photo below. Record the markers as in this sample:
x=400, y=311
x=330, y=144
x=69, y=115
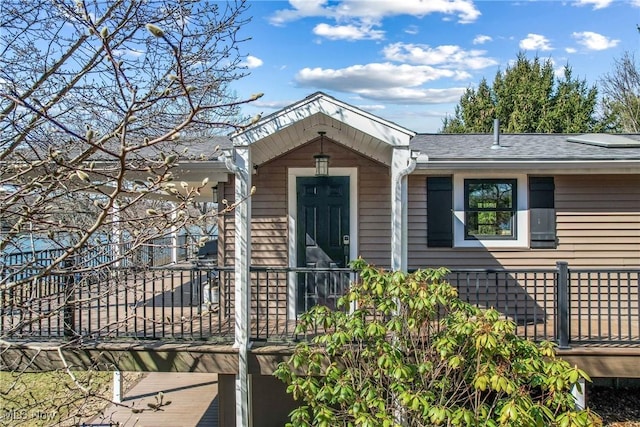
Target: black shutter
x=542, y=212
x=440, y=212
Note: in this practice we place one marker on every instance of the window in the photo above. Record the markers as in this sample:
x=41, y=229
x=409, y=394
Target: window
x=490, y=207
x=499, y=211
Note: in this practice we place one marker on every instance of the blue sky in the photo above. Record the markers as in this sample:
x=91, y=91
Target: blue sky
x=408, y=61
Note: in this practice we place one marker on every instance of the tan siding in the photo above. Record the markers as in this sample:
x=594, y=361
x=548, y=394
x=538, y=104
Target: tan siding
x=269, y=205
x=598, y=224
x=375, y=214
x=598, y=219
x=417, y=226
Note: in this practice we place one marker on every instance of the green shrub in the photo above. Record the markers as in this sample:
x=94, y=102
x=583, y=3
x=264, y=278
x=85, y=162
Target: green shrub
x=404, y=350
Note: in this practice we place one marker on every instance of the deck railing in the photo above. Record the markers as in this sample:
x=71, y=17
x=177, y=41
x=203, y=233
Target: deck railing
x=155, y=253
x=565, y=305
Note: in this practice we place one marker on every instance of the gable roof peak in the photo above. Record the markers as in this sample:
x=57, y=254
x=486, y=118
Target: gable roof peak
x=333, y=111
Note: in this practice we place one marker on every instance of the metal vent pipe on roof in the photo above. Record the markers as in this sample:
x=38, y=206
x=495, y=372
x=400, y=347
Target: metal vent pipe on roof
x=496, y=133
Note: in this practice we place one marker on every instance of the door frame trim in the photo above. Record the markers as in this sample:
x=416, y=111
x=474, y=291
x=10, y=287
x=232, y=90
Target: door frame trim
x=292, y=207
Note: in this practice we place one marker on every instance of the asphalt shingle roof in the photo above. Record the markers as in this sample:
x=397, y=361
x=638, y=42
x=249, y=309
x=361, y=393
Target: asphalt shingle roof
x=517, y=147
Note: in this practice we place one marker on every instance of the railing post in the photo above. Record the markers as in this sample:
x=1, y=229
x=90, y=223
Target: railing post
x=562, y=297
x=69, y=312
x=117, y=386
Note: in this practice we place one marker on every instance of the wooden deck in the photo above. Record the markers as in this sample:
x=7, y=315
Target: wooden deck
x=193, y=397
x=166, y=316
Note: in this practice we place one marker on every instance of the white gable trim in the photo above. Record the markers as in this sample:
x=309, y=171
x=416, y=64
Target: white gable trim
x=384, y=130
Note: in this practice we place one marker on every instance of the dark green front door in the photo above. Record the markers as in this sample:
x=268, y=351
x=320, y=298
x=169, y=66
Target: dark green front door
x=322, y=237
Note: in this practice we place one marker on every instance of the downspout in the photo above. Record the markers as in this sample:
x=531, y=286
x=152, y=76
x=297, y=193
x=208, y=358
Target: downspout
x=240, y=165
x=403, y=163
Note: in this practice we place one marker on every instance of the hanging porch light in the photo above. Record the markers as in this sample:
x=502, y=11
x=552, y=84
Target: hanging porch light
x=214, y=194
x=322, y=160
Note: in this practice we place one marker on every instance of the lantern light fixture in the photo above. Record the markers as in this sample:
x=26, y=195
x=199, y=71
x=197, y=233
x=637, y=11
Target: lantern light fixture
x=322, y=160
x=214, y=194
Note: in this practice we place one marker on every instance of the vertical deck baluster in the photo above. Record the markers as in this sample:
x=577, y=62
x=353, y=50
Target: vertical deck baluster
x=197, y=301
x=255, y=298
x=589, y=305
x=144, y=299
x=563, y=304
x=50, y=306
x=578, y=296
x=610, y=309
x=163, y=315
x=112, y=287
x=126, y=300
x=600, y=307
x=265, y=291
x=115, y=299
x=99, y=285
x=629, y=304
x=619, y=308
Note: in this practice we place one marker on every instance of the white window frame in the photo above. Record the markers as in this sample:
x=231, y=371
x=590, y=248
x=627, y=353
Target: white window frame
x=521, y=220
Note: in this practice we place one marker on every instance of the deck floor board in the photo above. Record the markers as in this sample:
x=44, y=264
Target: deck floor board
x=193, y=399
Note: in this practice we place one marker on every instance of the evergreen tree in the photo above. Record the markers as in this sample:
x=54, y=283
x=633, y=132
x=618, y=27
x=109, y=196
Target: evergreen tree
x=527, y=97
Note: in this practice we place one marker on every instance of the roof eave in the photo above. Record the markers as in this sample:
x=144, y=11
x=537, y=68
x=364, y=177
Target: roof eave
x=549, y=166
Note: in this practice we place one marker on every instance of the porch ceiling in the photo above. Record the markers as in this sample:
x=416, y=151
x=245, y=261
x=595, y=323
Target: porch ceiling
x=306, y=130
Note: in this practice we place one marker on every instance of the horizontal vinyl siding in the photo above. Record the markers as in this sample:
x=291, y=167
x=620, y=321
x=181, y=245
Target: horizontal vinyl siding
x=598, y=225
x=269, y=220
x=270, y=244
x=599, y=219
x=375, y=214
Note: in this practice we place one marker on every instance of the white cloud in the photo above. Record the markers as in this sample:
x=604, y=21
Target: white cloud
x=450, y=56
x=597, y=4
x=252, y=62
x=300, y=9
x=465, y=10
x=374, y=77
x=375, y=10
x=558, y=72
x=405, y=96
x=570, y=50
x=413, y=29
x=130, y=52
x=274, y=105
x=482, y=39
x=347, y=32
x=535, y=42
x=594, y=41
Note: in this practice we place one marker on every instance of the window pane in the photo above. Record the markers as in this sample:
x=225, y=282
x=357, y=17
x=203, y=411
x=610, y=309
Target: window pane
x=490, y=195
x=490, y=208
x=489, y=224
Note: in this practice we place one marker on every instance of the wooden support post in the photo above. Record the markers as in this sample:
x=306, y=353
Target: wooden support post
x=579, y=393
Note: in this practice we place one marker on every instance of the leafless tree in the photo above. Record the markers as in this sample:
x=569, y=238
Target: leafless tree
x=100, y=100
x=621, y=94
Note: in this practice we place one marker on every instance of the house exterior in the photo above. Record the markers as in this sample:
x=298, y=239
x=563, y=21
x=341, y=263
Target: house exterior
x=515, y=217
x=402, y=201
x=569, y=197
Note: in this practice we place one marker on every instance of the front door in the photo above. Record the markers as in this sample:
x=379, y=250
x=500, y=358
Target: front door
x=322, y=238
